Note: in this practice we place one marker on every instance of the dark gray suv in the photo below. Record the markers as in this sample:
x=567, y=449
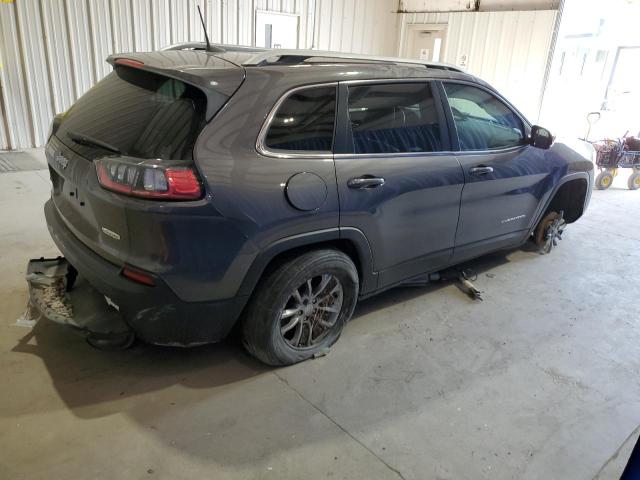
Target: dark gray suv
x=195, y=189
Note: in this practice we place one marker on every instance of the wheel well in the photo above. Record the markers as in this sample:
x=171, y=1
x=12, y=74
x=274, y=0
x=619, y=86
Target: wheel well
x=569, y=198
x=345, y=246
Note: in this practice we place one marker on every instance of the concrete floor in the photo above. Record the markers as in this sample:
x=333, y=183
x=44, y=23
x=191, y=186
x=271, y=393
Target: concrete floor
x=538, y=381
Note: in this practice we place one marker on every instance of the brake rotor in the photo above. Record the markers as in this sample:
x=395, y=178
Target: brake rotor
x=549, y=232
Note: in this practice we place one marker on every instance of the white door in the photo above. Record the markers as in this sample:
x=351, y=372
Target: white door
x=426, y=44
x=276, y=30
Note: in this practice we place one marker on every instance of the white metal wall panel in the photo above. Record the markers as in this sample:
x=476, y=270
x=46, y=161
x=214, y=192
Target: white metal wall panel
x=121, y=22
x=142, y=28
x=214, y=20
x=178, y=21
x=161, y=25
x=42, y=77
x=245, y=22
x=288, y=6
x=195, y=27
x=82, y=55
x=348, y=26
x=60, y=52
x=507, y=49
x=35, y=62
x=14, y=91
x=102, y=36
x=441, y=17
x=360, y=26
x=307, y=10
x=323, y=20
x=55, y=27
x=4, y=140
x=230, y=31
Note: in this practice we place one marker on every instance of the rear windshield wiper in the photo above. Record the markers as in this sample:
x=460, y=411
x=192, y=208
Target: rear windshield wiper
x=83, y=139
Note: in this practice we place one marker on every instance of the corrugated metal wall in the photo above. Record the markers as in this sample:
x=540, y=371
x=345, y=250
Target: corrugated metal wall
x=507, y=49
x=357, y=26
x=52, y=51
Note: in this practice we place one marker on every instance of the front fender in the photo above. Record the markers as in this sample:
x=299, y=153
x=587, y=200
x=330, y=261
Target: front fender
x=546, y=201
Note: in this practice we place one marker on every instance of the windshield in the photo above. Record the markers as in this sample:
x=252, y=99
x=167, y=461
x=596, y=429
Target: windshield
x=136, y=113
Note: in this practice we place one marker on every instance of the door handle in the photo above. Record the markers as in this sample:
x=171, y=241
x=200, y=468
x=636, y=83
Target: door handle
x=481, y=170
x=366, y=181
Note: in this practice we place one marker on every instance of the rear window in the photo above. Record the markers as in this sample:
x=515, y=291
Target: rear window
x=304, y=121
x=136, y=113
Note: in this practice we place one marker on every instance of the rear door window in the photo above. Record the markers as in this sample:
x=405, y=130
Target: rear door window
x=304, y=122
x=136, y=113
x=394, y=118
x=483, y=121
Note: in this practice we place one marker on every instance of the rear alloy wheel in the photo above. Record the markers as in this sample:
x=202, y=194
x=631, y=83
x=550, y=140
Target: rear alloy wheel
x=311, y=311
x=604, y=180
x=549, y=231
x=299, y=309
x=634, y=180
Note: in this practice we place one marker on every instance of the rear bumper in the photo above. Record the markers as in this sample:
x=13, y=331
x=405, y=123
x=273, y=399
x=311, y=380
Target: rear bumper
x=81, y=307
x=155, y=314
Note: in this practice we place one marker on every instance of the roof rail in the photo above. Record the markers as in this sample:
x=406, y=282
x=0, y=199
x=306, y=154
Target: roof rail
x=292, y=57
x=215, y=47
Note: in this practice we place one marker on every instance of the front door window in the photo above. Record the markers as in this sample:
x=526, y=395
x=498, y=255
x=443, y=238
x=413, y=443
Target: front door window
x=483, y=121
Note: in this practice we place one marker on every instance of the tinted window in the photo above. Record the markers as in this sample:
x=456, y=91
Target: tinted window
x=304, y=121
x=394, y=118
x=139, y=113
x=483, y=122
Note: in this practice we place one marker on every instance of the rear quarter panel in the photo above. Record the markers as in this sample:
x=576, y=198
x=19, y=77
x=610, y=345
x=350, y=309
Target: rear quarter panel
x=248, y=188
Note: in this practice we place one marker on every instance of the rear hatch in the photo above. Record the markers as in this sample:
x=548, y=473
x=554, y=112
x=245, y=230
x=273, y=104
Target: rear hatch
x=151, y=108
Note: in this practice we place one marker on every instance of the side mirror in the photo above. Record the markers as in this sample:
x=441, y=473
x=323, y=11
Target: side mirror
x=541, y=137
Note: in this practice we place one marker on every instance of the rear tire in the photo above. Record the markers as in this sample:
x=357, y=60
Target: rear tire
x=309, y=296
x=634, y=180
x=604, y=180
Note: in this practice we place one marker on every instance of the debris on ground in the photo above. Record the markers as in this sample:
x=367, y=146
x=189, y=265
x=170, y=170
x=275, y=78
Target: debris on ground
x=467, y=287
x=464, y=281
x=47, y=291
x=322, y=353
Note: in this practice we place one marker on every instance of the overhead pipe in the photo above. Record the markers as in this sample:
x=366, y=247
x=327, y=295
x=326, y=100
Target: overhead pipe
x=441, y=6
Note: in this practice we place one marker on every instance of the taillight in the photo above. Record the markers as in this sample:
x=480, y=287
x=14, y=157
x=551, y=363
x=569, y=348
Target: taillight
x=147, y=180
x=129, y=62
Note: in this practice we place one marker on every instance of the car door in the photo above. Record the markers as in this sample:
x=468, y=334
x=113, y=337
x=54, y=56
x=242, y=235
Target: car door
x=504, y=175
x=398, y=182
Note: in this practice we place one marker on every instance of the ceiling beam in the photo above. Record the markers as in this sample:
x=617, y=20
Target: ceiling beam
x=436, y=6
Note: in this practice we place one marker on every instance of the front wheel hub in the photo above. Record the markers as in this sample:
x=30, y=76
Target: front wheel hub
x=550, y=232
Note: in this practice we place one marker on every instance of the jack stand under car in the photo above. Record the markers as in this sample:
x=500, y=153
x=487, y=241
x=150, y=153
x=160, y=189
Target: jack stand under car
x=57, y=293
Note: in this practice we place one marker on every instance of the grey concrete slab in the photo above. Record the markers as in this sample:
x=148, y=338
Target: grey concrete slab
x=538, y=381
x=22, y=160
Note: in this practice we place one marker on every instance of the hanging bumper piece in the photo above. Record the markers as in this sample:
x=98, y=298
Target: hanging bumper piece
x=57, y=293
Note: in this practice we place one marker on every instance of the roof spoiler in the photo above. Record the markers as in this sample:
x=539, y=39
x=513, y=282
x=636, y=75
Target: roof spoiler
x=213, y=75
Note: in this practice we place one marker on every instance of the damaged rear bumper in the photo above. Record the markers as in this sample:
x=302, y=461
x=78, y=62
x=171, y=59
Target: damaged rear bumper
x=57, y=295
x=156, y=314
